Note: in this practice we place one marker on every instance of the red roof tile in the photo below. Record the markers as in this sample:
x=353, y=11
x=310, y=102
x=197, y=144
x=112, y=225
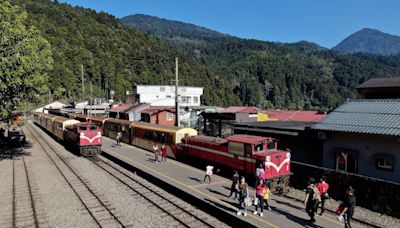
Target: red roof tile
x=156, y=109
x=295, y=115
x=119, y=108
x=241, y=109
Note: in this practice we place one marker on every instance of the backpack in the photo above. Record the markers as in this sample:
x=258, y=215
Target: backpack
x=316, y=194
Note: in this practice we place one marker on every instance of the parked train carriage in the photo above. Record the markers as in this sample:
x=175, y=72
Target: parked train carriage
x=244, y=153
x=59, y=125
x=81, y=117
x=144, y=135
x=47, y=121
x=85, y=136
x=36, y=117
x=112, y=126
x=98, y=121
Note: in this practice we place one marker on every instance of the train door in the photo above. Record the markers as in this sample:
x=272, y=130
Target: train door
x=248, y=158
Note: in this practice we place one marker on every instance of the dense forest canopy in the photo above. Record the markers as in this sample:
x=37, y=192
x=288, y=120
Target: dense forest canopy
x=233, y=71
x=113, y=56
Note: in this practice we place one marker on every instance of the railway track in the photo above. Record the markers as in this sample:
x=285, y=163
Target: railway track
x=23, y=208
x=180, y=212
x=103, y=214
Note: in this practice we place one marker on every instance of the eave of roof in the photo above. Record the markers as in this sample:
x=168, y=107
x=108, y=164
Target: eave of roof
x=378, y=116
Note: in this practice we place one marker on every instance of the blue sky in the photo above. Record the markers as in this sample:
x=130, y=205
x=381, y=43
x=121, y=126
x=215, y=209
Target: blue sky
x=321, y=21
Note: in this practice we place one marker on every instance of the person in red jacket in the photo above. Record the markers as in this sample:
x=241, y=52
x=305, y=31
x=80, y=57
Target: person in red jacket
x=164, y=153
x=323, y=190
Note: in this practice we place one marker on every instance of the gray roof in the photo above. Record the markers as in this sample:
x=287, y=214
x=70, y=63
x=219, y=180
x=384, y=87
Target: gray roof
x=381, y=83
x=380, y=117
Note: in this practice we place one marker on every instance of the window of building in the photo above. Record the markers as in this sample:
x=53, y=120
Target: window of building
x=184, y=99
x=189, y=100
x=168, y=96
x=162, y=88
x=170, y=117
x=384, y=162
x=346, y=160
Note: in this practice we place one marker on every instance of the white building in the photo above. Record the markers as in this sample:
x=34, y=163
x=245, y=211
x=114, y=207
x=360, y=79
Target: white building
x=53, y=105
x=165, y=95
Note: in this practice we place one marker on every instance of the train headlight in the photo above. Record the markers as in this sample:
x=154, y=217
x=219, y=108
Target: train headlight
x=81, y=134
x=288, y=155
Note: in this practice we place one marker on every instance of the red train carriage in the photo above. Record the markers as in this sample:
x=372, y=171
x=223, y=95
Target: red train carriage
x=85, y=136
x=244, y=153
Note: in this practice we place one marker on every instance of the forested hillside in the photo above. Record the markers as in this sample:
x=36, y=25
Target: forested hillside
x=113, y=56
x=301, y=75
x=233, y=71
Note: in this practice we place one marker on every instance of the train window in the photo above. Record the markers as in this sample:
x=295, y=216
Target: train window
x=271, y=144
x=148, y=135
x=155, y=137
x=93, y=127
x=82, y=128
x=259, y=147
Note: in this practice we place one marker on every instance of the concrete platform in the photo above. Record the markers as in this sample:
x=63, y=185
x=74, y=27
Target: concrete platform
x=285, y=212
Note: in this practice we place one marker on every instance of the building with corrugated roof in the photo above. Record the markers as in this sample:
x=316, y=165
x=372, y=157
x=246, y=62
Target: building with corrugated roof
x=380, y=88
x=363, y=137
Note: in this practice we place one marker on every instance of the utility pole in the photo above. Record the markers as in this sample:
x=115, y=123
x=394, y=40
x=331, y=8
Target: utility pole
x=177, y=122
x=90, y=101
x=83, y=83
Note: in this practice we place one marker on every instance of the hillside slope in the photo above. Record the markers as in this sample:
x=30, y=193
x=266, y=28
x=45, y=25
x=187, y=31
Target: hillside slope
x=113, y=57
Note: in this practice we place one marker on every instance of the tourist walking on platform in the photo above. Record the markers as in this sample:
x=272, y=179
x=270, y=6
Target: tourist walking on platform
x=311, y=199
x=267, y=196
x=118, y=138
x=260, y=173
x=155, y=149
x=349, y=203
x=259, y=199
x=209, y=173
x=323, y=190
x=163, y=153
x=243, y=195
x=235, y=185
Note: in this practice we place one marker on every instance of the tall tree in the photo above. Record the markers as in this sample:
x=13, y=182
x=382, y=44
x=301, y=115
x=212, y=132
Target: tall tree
x=25, y=61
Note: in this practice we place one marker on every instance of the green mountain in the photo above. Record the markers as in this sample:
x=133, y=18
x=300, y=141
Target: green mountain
x=168, y=28
x=113, y=57
x=302, y=75
x=370, y=41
